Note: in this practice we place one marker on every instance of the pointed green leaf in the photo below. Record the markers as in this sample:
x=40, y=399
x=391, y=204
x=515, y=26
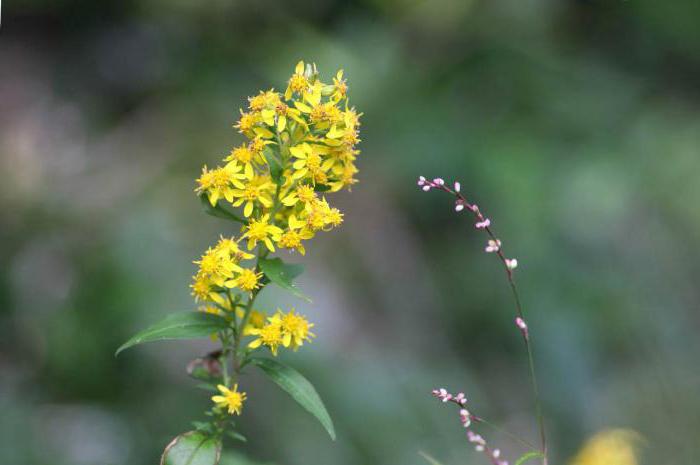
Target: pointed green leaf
x=533, y=454
x=192, y=448
x=186, y=325
x=219, y=211
x=282, y=274
x=299, y=388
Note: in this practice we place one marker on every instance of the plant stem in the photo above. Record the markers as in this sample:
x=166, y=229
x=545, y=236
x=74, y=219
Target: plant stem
x=504, y=431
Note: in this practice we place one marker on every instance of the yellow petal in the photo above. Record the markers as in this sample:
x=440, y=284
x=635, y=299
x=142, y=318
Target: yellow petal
x=298, y=151
x=281, y=123
x=268, y=117
x=263, y=132
x=335, y=133
x=303, y=107
x=248, y=209
x=299, y=69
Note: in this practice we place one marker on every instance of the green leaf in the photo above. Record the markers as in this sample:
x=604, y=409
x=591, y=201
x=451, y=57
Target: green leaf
x=429, y=458
x=273, y=160
x=237, y=436
x=533, y=454
x=192, y=448
x=186, y=325
x=219, y=211
x=322, y=188
x=282, y=274
x=299, y=388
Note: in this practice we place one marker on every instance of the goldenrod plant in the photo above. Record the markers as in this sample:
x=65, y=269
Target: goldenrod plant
x=300, y=147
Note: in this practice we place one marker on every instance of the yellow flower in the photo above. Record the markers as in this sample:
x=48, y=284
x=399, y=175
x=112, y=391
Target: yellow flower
x=303, y=193
x=246, y=123
x=258, y=189
x=295, y=329
x=217, y=266
x=219, y=182
x=317, y=215
x=201, y=287
x=269, y=335
x=298, y=83
x=610, y=447
x=341, y=87
x=309, y=162
x=230, y=246
x=265, y=99
x=231, y=400
x=291, y=239
x=261, y=230
x=245, y=156
x=248, y=280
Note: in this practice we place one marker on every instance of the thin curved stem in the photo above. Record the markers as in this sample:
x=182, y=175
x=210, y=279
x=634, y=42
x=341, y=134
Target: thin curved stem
x=483, y=223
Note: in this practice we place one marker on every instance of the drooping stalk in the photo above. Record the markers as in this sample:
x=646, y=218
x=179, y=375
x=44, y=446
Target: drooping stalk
x=509, y=265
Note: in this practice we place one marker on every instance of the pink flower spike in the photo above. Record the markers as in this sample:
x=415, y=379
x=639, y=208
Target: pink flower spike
x=511, y=263
x=439, y=182
x=458, y=186
x=483, y=224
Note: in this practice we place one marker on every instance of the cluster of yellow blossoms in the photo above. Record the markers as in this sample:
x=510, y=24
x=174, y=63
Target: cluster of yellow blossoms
x=300, y=145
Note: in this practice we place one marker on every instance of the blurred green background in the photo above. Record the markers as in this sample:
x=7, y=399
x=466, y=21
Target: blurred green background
x=574, y=124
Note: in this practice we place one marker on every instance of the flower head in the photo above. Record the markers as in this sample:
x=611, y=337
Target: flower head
x=230, y=399
x=269, y=335
x=295, y=329
x=261, y=231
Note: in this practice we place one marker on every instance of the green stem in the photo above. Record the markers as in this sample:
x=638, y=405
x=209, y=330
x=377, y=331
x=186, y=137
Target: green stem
x=504, y=431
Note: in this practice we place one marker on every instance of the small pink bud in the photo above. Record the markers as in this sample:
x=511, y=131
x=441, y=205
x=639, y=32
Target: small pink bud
x=493, y=246
x=483, y=224
x=459, y=206
x=496, y=453
x=421, y=181
x=511, y=263
x=426, y=188
x=458, y=186
x=439, y=182
x=461, y=398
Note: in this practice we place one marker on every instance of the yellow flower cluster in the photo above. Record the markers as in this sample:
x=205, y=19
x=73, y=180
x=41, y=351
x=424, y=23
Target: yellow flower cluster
x=288, y=330
x=300, y=145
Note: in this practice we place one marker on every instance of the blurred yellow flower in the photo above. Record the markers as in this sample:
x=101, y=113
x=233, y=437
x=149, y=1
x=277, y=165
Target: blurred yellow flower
x=609, y=447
